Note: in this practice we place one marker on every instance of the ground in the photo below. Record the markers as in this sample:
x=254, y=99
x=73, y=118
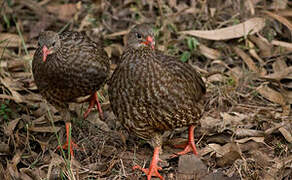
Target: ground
x=241, y=48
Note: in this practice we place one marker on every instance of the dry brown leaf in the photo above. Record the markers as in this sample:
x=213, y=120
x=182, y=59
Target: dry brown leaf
x=217, y=148
x=277, y=5
x=12, y=166
x=279, y=18
x=248, y=61
x=56, y=161
x=248, y=27
x=280, y=71
x=285, y=12
x=279, y=65
x=264, y=46
x=236, y=73
x=210, y=124
x=13, y=85
x=242, y=132
x=216, y=78
x=114, y=49
x=4, y=148
x=45, y=129
x=226, y=154
x=43, y=145
x=9, y=40
x=288, y=94
x=233, y=119
x=206, y=150
x=5, y=53
x=85, y=22
x=287, y=135
x=275, y=97
x=65, y=12
x=34, y=173
x=283, y=44
x=254, y=54
x=209, y=52
x=250, y=4
x=256, y=139
x=8, y=130
x=113, y=35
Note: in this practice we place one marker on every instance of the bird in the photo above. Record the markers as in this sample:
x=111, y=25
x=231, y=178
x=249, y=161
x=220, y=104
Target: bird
x=151, y=93
x=68, y=66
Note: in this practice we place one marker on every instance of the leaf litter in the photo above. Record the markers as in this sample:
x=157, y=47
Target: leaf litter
x=243, y=53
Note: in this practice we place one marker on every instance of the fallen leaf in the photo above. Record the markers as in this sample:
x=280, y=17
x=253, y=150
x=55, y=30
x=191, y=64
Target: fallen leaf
x=252, y=51
x=9, y=40
x=279, y=18
x=248, y=61
x=256, y=139
x=248, y=27
x=283, y=44
x=8, y=130
x=243, y=132
x=114, y=50
x=264, y=46
x=45, y=129
x=190, y=167
x=120, y=33
x=11, y=85
x=210, y=124
x=280, y=74
x=209, y=52
x=65, y=12
x=232, y=119
x=287, y=135
x=275, y=97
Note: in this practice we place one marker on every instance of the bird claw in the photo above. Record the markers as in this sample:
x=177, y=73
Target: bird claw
x=72, y=147
x=188, y=148
x=152, y=171
x=94, y=100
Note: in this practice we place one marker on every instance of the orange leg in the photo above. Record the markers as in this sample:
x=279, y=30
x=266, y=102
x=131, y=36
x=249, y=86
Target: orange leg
x=94, y=100
x=190, y=146
x=72, y=144
x=153, y=168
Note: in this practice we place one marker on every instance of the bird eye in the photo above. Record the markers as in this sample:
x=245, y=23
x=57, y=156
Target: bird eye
x=138, y=35
x=54, y=43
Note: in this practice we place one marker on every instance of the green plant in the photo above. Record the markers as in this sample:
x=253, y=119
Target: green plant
x=5, y=111
x=192, y=44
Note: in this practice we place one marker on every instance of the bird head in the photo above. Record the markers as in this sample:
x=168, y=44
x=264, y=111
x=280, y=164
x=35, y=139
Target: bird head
x=49, y=42
x=142, y=35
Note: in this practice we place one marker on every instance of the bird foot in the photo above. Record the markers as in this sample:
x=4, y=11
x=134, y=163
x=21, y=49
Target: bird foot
x=153, y=168
x=187, y=148
x=190, y=146
x=152, y=171
x=72, y=147
x=94, y=100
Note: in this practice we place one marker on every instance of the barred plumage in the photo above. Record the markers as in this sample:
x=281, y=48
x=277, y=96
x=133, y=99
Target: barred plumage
x=151, y=92
x=67, y=66
x=79, y=67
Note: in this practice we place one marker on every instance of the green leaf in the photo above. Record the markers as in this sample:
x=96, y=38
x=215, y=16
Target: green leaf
x=185, y=56
x=192, y=43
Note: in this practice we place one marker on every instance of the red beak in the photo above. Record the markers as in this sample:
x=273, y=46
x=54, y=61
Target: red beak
x=149, y=41
x=46, y=51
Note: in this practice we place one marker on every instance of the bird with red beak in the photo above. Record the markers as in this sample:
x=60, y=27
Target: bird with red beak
x=49, y=42
x=68, y=66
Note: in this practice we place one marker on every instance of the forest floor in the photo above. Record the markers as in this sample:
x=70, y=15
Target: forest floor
x=242, y=48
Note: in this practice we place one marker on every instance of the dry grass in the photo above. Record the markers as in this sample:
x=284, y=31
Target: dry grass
x=246, y=129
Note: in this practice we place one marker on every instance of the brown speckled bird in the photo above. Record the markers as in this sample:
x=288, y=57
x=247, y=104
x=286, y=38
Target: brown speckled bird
x=67, y=66
x=151, y=92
